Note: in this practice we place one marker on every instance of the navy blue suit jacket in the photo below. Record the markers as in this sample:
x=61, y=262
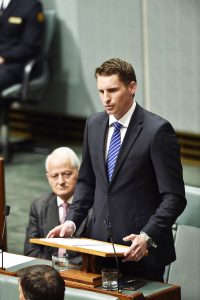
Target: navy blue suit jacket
x=147, y=189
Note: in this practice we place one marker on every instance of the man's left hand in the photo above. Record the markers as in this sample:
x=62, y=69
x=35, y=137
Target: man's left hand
x=138, y=248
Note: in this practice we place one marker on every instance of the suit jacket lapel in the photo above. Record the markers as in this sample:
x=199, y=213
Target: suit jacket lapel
x=11, y=7
x=101, y=145
x=52, y=216
x=132, y=133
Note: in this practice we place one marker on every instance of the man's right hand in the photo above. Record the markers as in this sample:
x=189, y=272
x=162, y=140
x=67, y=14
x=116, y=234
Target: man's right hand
x=66, y=229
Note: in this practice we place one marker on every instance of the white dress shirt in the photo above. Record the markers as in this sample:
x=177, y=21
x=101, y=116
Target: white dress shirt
x=60, y=208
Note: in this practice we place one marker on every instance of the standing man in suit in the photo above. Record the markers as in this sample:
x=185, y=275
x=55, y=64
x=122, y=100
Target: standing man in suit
x=137, y=198
x=46, y=212
x=21, y=37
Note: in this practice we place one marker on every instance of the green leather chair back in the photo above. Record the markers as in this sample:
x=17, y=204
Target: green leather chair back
x=78, y=294
x=9, y=287
x=191, y=214
x=185, y=271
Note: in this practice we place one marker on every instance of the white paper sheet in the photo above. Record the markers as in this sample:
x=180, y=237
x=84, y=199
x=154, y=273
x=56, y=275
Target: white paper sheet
x=11, y=260
x=86, y=244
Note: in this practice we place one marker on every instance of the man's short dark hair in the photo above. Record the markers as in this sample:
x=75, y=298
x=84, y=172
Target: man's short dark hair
x=42, y=282
x=119, y=67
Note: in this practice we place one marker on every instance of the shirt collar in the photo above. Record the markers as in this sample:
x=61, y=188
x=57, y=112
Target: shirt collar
x=5, y=3
x=60, y=201
x=125, y=119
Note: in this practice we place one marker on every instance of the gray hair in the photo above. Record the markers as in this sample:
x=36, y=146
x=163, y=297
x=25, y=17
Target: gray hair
x=65, y=153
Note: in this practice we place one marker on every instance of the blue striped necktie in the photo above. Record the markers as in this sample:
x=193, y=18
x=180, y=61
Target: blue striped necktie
x=113, y=151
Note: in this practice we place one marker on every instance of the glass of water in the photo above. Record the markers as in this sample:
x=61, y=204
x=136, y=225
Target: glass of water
x=109, y=279
x=60, y=261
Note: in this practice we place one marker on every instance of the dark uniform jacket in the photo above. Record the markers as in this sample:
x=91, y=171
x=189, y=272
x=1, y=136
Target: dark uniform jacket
x=21, y=39
x=21, y=30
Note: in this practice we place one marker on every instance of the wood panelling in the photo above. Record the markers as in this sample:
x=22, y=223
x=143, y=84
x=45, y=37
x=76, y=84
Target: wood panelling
x=41, y=126
x=190, y=147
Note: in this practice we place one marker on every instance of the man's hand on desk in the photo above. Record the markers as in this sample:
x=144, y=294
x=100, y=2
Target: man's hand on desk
x=137, y=250
x=66, y=229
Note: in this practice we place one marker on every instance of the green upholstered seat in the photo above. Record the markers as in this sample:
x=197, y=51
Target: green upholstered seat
x=9, y=287
x=185, y=271
x=191, y=214
x=78, y=294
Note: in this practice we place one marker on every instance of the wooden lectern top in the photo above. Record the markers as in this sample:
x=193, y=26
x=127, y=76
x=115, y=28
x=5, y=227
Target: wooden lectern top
x=83, y=245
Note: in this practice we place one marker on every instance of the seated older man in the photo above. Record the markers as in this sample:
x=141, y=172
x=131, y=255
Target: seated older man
x=50, y=210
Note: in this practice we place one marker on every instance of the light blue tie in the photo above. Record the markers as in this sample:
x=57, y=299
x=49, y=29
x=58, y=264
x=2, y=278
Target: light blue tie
x=113, y=151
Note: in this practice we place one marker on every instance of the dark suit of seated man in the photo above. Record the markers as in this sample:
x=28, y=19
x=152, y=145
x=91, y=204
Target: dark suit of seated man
x=46, y=212
x=21, y=37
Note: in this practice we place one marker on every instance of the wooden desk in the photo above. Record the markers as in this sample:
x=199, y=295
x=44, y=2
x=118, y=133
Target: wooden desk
x=152, y=290
x=87, y=279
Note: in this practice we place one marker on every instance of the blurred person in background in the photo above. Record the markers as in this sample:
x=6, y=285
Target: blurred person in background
x=21, y=38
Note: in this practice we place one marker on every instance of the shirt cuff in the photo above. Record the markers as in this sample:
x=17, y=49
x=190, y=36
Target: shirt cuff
x=73, y=224
x=150, y=242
